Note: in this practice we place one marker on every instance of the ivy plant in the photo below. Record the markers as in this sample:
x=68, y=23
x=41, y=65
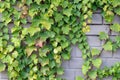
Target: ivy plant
x=36, y=52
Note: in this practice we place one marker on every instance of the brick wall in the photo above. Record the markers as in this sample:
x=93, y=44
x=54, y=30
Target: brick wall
x=73, y=66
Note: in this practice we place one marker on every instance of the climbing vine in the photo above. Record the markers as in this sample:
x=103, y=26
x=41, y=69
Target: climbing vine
x=35, y=52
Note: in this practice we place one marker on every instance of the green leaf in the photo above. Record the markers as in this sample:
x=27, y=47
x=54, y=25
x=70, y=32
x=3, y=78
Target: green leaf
x=10, y=48
x=15, y=54
x=16, y=41
x=33, y=56
x=15, y=63
x=67, y=12
x=74, y=41
x=58, y=49
x=6, y=37
x=93, y=75
x=52, y=64
x=64, y=45
x=37, y=1
x=117, y=10
x=108, y=46
x=16, y=23
x=46, y=22
x=60, y=71
x=44, y=61
x=117, y=39
x=103, y=36
x=58, y=17
x=24, y=21
x=29, y=50
x=79, y=78
x=24, y=32
x=77, y=1
x=56, y=2
x=8, y=20
x=28, y=2
x=108, y=16
x=33, y=30
x=115, y=27
x=97, y=62
x=1, y=10
x=66, y=56
x=85, y=68
x=85, y=1
x=66, y=29
x=95, y=52
x=35, y=69
x=55, y=44
x=13, y=73
x=8, y=59
x=2, y=67
x=115, y=3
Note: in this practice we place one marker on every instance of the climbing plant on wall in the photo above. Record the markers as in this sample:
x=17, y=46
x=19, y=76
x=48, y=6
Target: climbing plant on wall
x=36, y=52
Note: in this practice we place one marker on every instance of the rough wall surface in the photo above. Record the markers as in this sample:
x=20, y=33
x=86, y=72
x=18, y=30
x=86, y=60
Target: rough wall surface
x=73, y=66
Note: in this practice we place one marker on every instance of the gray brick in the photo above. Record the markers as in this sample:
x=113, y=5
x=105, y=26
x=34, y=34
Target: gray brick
x=65, y=64
x=10, y=25
x=108, y=78
x=78, y=72
x=98, y=11
x=111, y=38
x=114, y=33
x=104, y=22
x=69, y=74
x=96, y=19
x=78, y=52
x=17, y=8
x=116, y=54
x=73, y=52
x=104, y=54
x=26, y=25
x=4, y=75
x=94, y=41
x=96, y=29
x=29, y=19
x=109, y=62
x=116, y=20
x=76, y=63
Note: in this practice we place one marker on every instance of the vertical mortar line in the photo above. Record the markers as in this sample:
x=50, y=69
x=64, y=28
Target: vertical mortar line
x=74, y=74
x=102, y=20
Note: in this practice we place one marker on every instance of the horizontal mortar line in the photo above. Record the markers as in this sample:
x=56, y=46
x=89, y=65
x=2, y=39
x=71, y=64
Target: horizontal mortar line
x=79, y=57
x=76, y=58
x=98, y=35
x=95, y=24
x=74, y=68
x=98, y=24
x=110, y=59
x=28, y=22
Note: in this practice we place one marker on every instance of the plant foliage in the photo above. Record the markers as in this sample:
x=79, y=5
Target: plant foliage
x=36, y=52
